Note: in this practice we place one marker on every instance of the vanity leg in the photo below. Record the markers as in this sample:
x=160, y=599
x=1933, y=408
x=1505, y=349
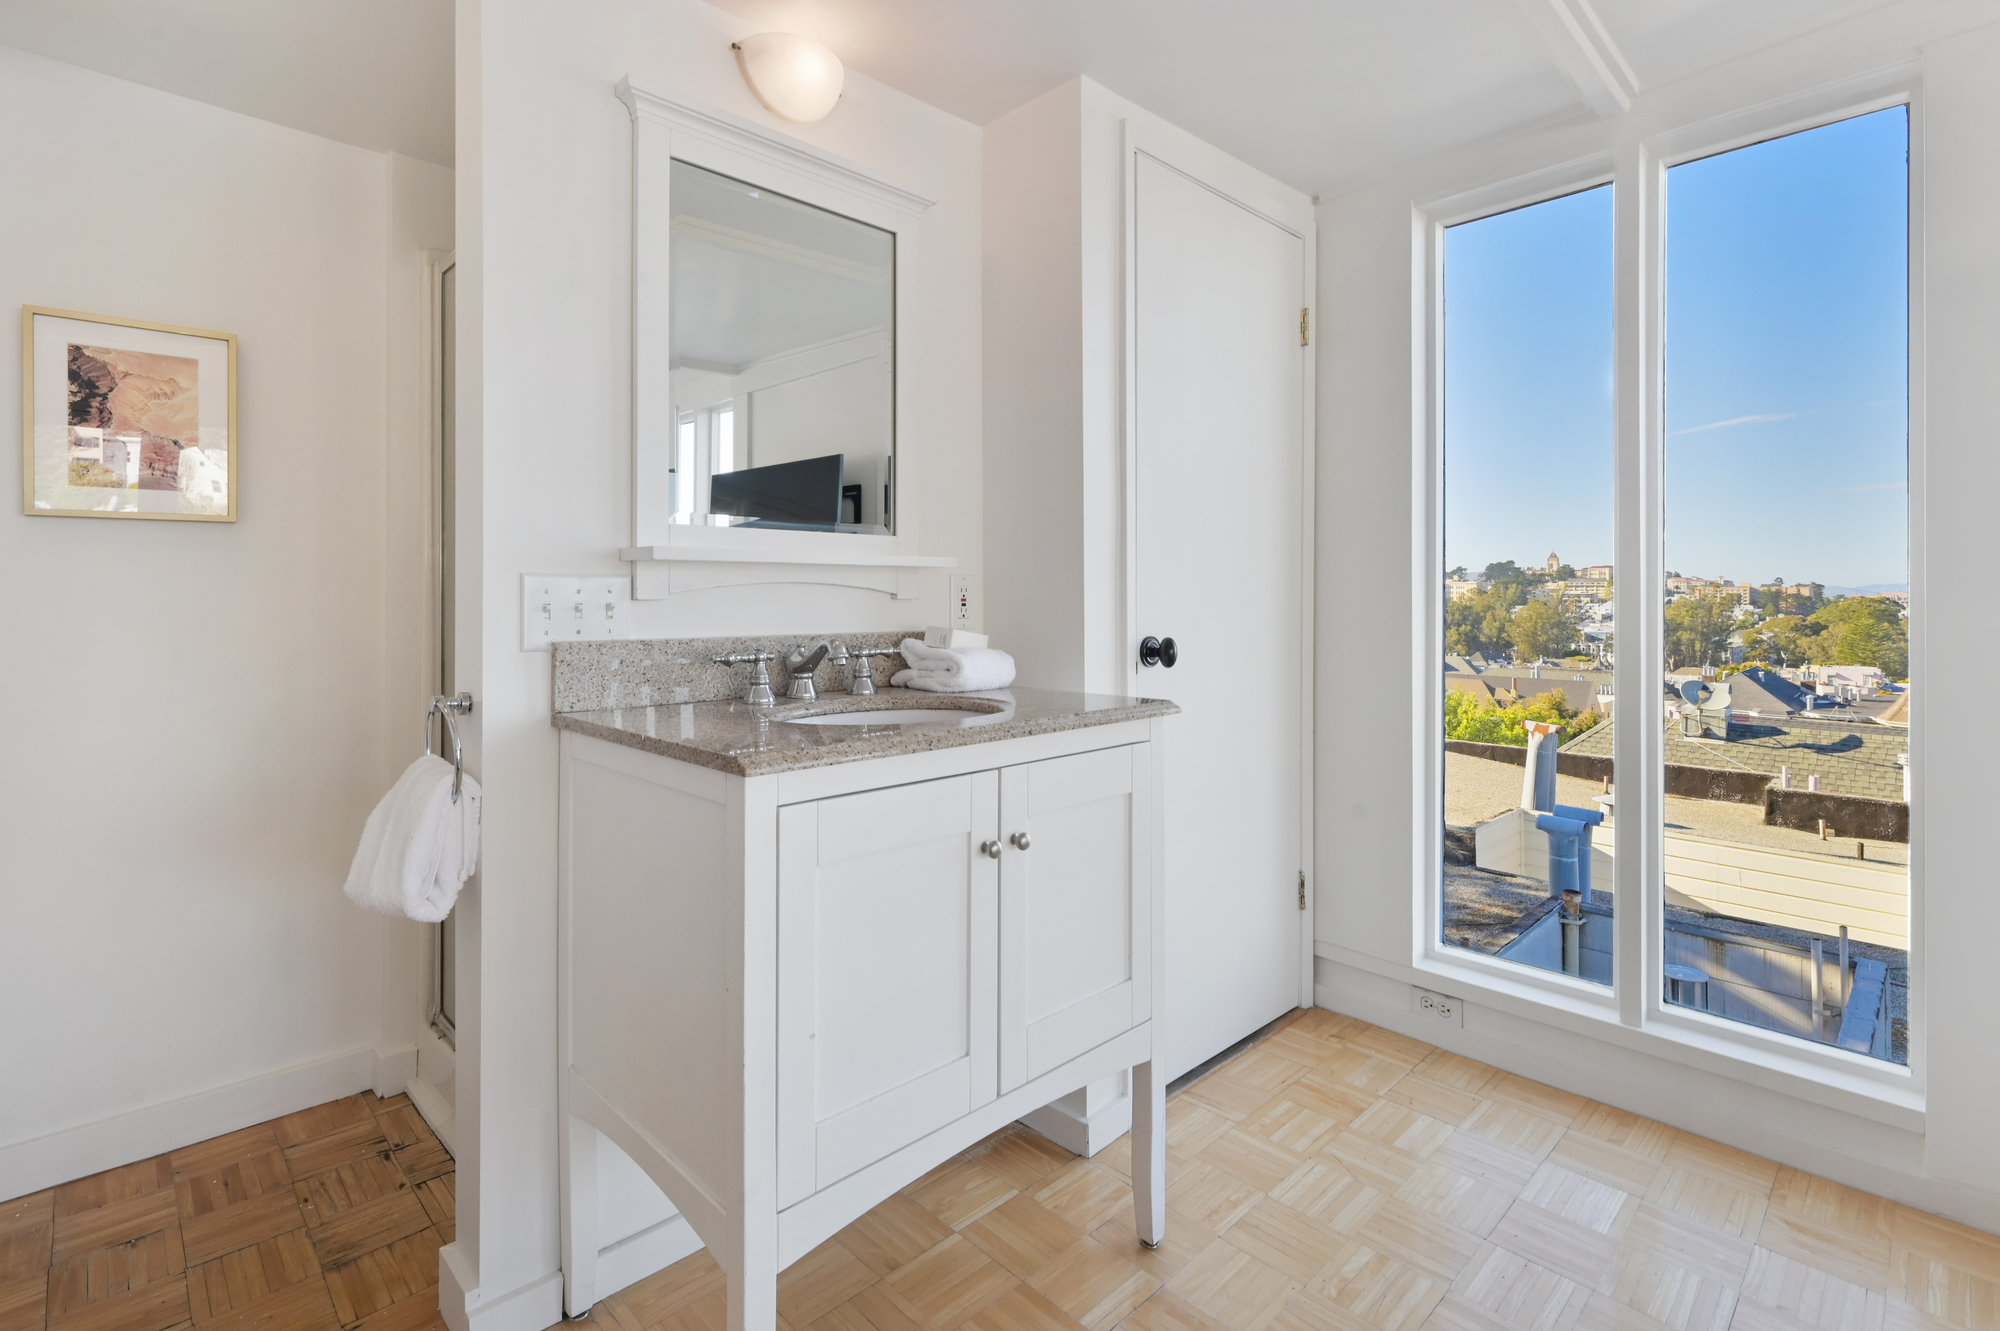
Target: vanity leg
x=1149, y=1153
x=752, y=1275
x=579, y=1215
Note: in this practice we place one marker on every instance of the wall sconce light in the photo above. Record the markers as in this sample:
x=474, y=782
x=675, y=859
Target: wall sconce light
x=794, y=76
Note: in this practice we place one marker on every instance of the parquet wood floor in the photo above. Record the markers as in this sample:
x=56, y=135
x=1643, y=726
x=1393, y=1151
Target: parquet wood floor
x=1339, y=1177
x=325, y=1219
x=1332, y=1177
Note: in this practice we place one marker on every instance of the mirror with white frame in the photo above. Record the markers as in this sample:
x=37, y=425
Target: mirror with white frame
x=782, y=329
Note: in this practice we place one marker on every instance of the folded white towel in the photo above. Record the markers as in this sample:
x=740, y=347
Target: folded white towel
x=418, y=847
x=943, y=670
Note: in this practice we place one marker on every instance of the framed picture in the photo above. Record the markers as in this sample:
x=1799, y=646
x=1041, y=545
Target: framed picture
x=126, y=419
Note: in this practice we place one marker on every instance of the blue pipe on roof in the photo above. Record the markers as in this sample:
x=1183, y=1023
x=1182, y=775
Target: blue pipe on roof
x=1568, y=830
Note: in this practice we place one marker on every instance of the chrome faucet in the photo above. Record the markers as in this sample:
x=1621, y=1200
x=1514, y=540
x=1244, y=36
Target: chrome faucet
x=800, y=662
x=759, y=692
x=861, y=682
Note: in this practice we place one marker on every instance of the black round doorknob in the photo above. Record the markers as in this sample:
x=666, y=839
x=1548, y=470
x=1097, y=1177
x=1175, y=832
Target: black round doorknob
x=1158, y=652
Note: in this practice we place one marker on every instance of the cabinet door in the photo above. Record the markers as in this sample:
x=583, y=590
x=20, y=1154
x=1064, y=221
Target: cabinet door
x=887, y=959
x=1075, y=907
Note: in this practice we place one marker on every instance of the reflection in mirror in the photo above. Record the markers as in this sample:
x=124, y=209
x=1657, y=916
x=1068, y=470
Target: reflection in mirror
x=783, y=361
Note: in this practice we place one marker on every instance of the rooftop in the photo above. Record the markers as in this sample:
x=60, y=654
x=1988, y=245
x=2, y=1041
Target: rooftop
x=1850, y=757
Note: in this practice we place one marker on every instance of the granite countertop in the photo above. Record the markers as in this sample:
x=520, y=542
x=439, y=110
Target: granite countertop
x=733, y=737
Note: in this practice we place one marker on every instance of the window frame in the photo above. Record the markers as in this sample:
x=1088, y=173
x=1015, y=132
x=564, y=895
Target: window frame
x=1632, y=1012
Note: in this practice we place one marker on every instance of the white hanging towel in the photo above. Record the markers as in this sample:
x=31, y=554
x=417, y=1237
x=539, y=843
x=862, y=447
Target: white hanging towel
x=418, y=846
x=947, y=670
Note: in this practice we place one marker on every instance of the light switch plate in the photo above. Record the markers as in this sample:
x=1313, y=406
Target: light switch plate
x=573, y=609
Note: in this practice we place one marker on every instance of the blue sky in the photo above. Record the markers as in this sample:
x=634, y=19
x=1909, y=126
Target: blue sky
x=1787, y=345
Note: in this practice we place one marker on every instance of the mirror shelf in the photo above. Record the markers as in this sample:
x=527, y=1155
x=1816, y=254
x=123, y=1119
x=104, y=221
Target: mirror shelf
x=773, y=292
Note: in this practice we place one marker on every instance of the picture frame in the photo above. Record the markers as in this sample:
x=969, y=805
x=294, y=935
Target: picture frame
x=126, y=418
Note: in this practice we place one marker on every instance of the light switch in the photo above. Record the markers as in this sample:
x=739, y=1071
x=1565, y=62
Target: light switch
x=574, y=609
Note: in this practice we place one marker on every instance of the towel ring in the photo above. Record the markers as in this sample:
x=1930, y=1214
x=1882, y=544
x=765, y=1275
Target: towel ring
x=447, y=708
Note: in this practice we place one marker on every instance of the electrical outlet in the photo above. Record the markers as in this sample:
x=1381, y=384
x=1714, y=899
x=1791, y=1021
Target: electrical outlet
x=961, y=615
x=573, y=610
x=1441, y=1007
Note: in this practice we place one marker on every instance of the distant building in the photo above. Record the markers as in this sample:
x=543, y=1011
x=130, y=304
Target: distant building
x=1596, y=571
x=1554, y=563
x=1848, y=682
x=1723, y=591
x=1589, y=586
x=1454, y=588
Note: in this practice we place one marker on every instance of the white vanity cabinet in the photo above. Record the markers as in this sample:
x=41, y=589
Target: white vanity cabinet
x=788, y=995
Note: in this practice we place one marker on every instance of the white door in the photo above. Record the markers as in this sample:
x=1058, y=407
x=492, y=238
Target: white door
x=1219, y=566
x=1075, y=907
x=887, y=972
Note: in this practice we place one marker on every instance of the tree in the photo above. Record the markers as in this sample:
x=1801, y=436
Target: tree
x=1468, y=718
x=1786, y=639
x=1479, y=622
x=1456, y=575
x=1773, y=600
x=1865, y=631
x=1698, y=629
x=1504, y=571
x=1542, y=629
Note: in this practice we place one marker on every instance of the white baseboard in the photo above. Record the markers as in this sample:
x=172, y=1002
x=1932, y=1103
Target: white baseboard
x=1067, y=1123
x=43, y=1162
x=533, y=1307
x=393, y=1070
x=436, y=1111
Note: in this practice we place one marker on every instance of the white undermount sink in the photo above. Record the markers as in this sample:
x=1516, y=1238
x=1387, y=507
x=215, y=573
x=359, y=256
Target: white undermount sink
x=894, y=716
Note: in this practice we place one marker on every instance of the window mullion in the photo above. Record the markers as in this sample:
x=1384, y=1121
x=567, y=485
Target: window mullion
x=1639, y=577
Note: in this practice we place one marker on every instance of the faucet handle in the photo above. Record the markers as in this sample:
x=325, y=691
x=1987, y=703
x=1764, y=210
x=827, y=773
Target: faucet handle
x=759, y=693
x=861, y=683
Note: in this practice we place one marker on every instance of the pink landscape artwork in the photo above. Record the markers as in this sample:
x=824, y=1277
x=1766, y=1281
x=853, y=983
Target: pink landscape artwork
x=132, y=415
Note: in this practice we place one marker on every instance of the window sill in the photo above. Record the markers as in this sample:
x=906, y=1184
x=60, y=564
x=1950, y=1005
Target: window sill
x=1884, y=1093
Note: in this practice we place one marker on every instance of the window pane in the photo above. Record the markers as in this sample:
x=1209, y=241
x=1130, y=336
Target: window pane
x=1527, y=598
x=684, y=486
x=725, y=439
x=1787, y=596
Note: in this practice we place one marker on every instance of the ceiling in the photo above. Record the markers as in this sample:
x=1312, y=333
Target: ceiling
x=1316, y=92
x=376, y=73
x=756, y=274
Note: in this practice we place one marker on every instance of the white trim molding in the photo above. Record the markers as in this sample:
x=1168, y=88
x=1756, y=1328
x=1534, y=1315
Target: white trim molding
x=88, y=1148
x=1583, y=49
x=670, y=556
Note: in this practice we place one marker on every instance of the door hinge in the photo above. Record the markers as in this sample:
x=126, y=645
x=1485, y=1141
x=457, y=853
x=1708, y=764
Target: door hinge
x=1302, y=889
x=1305, y=327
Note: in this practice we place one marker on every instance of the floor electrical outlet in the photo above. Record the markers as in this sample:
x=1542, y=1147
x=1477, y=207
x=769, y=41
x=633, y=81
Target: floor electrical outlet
x=574, y=610
x=1440, y=1007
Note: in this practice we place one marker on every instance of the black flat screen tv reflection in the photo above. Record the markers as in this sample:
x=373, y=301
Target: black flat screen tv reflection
x=803, y=494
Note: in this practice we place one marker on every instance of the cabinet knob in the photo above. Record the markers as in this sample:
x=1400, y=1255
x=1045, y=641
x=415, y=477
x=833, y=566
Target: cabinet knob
x=1158, y=652
x=1020, y=840
x=990, y=849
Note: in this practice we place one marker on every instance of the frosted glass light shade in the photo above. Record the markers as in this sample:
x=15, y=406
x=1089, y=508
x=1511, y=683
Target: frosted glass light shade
x=796, y=77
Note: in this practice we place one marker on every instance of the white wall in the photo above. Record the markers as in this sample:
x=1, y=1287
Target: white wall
x=544, y=154
x=196, y=717
x=1369, y=527
x=1055, y=360
x=1055, y=413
